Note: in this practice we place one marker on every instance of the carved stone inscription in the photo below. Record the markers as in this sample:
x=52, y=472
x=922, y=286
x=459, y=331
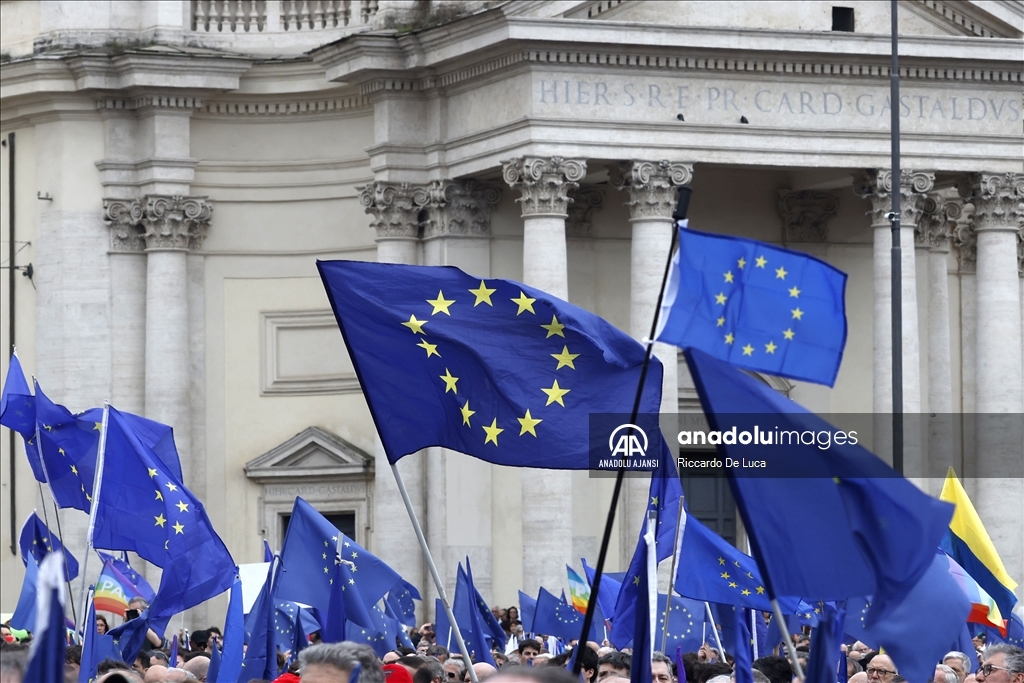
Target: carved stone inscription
x=773, y=103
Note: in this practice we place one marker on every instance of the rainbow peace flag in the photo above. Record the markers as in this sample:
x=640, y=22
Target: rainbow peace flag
x=967, y=542
x=579, y=590
x=984, y=609
x=113, y=590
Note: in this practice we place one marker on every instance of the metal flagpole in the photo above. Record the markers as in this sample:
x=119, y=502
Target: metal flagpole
x=897, y=254
x=64, y=552
x=433, y=573
x=682, y=205
x=714, y=629
x=96, y=486
x=798, y=670
x=680, y=527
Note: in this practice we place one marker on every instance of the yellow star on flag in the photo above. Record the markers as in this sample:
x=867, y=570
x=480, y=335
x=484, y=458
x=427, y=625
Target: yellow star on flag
x=179, y=528
x=527, y=424
x=61, y=451
x=449, y=382
x=728, y=276
x=182, y=506
x=74, y=470
x=788, y=334
x=171, y=487
x=152, y=472
x=97, y=426
x=744, y=592
x=565, y=358
x=748, y=350
x=720, y=298
x=721, y=560
x=159, y=496
x=720, y=322
x=760, y=261
x=415, y=325
x=729, y=339
x=431, y=349
x=483, y=295
x=760, y=590
x=466, y=413
x=525, y=303
x=741, y=263
x=794, y=292
x=554, y=328
x=492, y=432
x=160, y=520
x=732, y=584
x=441, y=304
x=780, y=273
x=798, y=314
x=725, y=575
x=770, y=347
x=555, y=394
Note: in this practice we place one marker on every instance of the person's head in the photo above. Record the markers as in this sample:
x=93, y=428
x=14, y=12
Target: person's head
x=199, y=639
x=154, y=657
x=499, y=658
x=391, y=657
x=542, y=659
x=438, y=652
x=758, y=677
x=880, y=669
x=499, y=612
x=979, y=641
x=138, y=603
x=526, y=674
x=512, y=613
x=528, y=650
x=1003, y=663
x=454, y=669
x=101, y=624
x=483, y=671
x=334, y=662
x=5, y=633
x=661, y=669
x=590, y=661
x=777, y=669
x=614, y=663
x=944, y=674
x=958, y=662
x=156, y=673
x=197, y=666
x=427, y=631
x=120, y=676
x=431, y=672
x=859, y=677
x=409, y=662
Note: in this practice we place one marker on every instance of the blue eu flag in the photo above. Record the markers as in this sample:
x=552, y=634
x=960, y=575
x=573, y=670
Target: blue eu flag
x=145, y=509
x=527, y=608
x=850, y=526
x=68, y=445
x=490, y=368
x=400, y=602
x=36, y=540
x=685, y=618
x=18, y=412
x=756, y=306
x=49, y=642
x=467, y=611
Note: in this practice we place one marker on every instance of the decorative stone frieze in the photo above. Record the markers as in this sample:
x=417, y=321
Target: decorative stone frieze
x=805, y=214
x=459, y=208
x=998, y=199
x=586, y=201
x=544, y=183
x=876, y=186
x=157, y=222
x=394, y=207
x=651, y=184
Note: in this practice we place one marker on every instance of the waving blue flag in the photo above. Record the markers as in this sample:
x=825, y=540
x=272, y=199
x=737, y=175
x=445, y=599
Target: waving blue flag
x=130, y=637
x=95, y=647
x=49, y=633
x=756, y=306
x=527, y=609
x=685, y=619
x=490, y=368
x=25, y=611
x=229, y=662
x=146, y=509
x=442, y=627
x=36, y=540
x=827, y=636
x=643, y=569
x=400, y=601
x=18, y=412
x=307, y=559
x=466, y=609
x=138, y=580
x=609, y=592
x=261, y=652
x=346, y=604
x=553, y=617
x=67, y=446
x=832, y=523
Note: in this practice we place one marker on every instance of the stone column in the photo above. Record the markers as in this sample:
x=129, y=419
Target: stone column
x=652, y=187
x=546, y=494
x=877, y=186
x=395, y=210
x=998, y=211
x=966, y=244
x=938, y=220
x=456, y=232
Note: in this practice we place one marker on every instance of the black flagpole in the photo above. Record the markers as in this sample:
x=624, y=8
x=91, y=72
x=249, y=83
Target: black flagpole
x=682, y=205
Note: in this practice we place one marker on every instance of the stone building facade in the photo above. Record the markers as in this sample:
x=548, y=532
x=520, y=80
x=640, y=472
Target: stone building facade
x=176, y=167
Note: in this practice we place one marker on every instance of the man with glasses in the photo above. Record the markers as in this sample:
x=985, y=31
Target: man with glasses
x=1003, y=664
x=881, y=668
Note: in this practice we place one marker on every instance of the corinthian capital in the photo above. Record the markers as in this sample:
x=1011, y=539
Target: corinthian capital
x=652, y=186
x=158, y=222
x=805, y=214
x=394, y=207
x=460, y=208
x=586, y=201
x=876, y=186
x=998, y=200
x=544, y=183
x=940, y=216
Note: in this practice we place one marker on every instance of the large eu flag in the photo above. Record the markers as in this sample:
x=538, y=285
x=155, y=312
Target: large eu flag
x=490, y=368
x=756, y=306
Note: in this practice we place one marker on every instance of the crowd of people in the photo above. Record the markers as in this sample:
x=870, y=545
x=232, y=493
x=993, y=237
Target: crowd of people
x=522, y=660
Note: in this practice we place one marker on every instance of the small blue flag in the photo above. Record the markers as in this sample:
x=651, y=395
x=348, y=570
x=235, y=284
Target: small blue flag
x=95, y=647
x=756, y=306
x=827, y=636
x=1014, y=632
x=843, y=523
x=346, y=603
x=36, y=540
x=553, y=617
x=129, y=638
x=466, y=609
x=18, y=412
x=230, y=660
x=138, y=580
x=149, y=511
x=268, y=554
x=213, y=672
x=395, y=626
x=68, y=445
x=261, y=654
x=684, y=620
x=400, y=601
x=443, y=633
x=527, y=610
x=737, y=641
x=490, y=368
x=25, y=612
x=639, y=576
x=609, y=590
x=172, y=660
x=307, y=560
x=49, y=634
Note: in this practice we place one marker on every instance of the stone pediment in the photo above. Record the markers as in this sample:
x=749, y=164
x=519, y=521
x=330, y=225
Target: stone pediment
x=312, y=453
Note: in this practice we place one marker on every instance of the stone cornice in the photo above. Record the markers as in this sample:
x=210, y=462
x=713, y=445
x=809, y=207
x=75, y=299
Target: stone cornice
x=476, y=41
x=161, y=71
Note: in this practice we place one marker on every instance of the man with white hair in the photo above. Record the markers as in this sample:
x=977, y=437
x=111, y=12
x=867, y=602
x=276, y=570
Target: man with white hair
x=958, y=662
x=945, y=674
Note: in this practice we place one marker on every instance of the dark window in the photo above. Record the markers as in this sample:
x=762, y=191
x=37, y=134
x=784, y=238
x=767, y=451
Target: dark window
x=344, y=521
x=710, y=500
x=842, y=19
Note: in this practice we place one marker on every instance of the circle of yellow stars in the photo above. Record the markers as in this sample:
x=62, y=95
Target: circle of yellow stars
x=524, y=304
x=796, y=313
